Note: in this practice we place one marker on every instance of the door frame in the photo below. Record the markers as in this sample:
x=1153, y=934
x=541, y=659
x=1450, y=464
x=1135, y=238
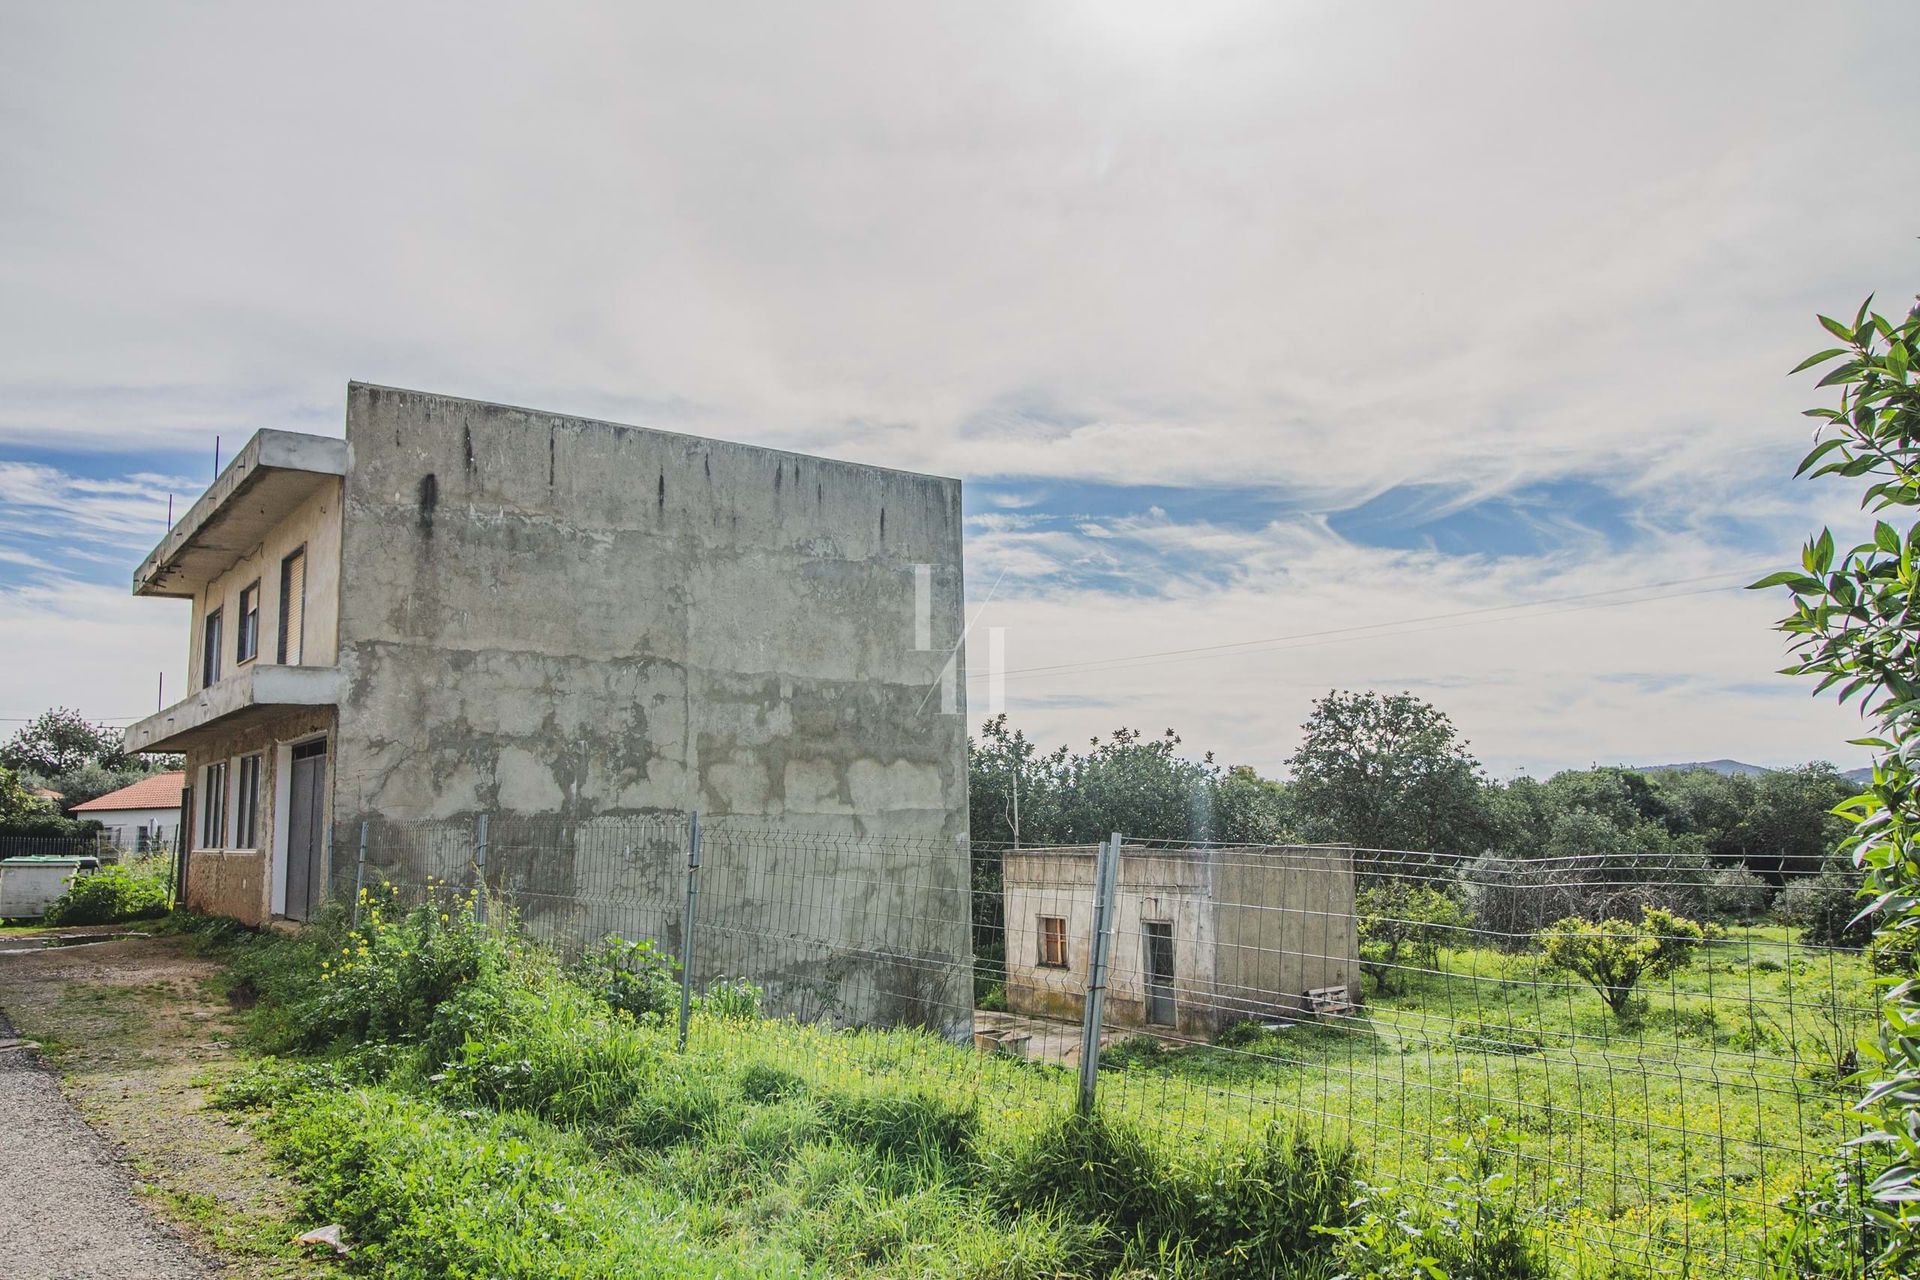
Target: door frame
x=1148, y=986
x=283, y=812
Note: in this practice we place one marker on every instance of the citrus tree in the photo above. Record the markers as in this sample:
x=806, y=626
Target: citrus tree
x=1613, y=955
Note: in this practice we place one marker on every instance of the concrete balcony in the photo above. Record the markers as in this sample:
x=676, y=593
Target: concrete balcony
x=251, y=695
x=274, y=473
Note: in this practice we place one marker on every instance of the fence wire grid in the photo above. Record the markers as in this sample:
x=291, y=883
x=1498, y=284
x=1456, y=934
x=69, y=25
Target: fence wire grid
x=1409, y=1003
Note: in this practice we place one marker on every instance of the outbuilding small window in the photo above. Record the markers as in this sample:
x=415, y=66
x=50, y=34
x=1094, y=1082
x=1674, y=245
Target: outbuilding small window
x=1053, y=942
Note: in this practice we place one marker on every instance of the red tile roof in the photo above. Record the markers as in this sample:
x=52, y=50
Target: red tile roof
x=155, y=791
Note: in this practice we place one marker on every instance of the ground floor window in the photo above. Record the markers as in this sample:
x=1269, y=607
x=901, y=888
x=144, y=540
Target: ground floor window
x=1053, y=942
x=213, y=807
x=246, y=804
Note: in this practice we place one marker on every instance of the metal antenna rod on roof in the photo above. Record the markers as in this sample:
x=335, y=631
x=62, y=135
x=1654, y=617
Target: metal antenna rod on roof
x=160, y=698
x=216, y=457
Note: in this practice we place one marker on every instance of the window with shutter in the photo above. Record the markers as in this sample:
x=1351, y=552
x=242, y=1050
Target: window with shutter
x=293, y=607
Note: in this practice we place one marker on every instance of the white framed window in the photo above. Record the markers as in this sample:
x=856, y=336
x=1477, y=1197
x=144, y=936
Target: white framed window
x=213, y=806
x=246, y=804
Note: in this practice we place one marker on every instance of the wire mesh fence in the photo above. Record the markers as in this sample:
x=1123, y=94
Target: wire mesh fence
x=1620, y=1051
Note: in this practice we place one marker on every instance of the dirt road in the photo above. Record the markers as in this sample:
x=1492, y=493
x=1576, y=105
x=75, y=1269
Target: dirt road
x=111, y=1161
x=70, y=1210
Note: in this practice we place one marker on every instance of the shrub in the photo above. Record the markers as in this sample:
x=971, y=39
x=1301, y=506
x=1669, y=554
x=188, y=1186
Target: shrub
x=1134, y=1051
x=635, y=976
x=1268, y=1209
x=1735, y=893
x=1824, y=908
x=110, y=895
x=382, y=981
x=1511, y=899
x=1243, y=1034
x=1466, y=1223
x=1613, y=955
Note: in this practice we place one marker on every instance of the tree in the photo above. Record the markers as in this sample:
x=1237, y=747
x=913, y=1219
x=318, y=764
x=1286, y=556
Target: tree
x=22, y=813
x=17, y=802
x=1405, y=924
x=1612, y=956
x=1387, y=771
x=1129, y=782
x=60, y=740
x=1791, y=821
x=1624, y=797
x=1854, y=627
x=1250, y=809
x=60, y=750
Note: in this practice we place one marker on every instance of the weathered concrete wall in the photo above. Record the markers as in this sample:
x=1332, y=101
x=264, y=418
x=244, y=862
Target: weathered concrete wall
x=228, y=882
x=543, y=615
x=314, y=524
x=1253, y=929
x=1286, y=926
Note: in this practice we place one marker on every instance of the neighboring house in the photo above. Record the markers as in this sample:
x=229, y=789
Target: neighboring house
x=464, y=608
x=1202, y=938
x=145, y=815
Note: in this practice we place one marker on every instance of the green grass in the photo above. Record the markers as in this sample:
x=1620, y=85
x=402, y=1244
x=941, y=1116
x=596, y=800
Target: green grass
x=465, y=1107
x=1661, y=1145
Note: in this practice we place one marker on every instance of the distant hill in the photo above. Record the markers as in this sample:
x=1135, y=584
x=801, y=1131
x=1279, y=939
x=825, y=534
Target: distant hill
x=1731, y=768
x=1740, y=768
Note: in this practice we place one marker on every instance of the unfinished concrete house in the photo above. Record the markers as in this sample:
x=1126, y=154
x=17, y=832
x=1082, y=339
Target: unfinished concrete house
x=1203, y=937
x=463, y=608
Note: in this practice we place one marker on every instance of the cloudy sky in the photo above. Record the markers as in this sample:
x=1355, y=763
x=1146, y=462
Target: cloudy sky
x=1282, y=347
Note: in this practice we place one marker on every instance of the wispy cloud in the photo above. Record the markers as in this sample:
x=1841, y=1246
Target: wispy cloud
x=1240, y=323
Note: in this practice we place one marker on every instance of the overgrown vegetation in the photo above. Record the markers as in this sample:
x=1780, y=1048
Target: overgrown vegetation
x=113, y=894
x=465, y=1104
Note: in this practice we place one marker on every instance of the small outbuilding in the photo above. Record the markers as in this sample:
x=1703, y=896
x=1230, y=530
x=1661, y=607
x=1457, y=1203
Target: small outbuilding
x=1203, y=937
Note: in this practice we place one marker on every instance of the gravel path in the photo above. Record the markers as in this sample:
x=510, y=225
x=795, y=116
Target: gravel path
x=67, y=1210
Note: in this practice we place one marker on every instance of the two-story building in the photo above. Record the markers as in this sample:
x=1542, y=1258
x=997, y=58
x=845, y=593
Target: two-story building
x=464, y=608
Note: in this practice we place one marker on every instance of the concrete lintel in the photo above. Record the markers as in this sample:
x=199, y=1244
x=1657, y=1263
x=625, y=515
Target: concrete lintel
x=249, y=694
x=273, y=473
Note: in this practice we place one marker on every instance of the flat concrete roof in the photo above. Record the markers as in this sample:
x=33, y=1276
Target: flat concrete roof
x=274, y=473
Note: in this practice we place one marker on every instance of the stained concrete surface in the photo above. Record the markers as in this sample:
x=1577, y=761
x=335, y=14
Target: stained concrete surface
x=70, y=1212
